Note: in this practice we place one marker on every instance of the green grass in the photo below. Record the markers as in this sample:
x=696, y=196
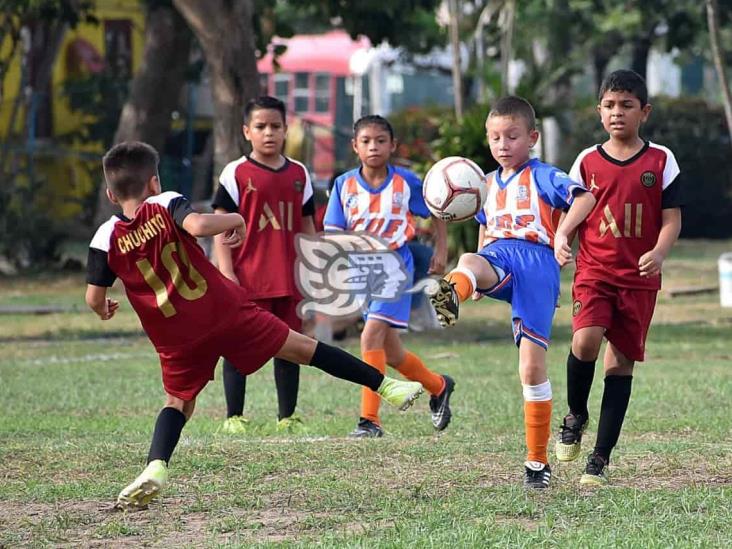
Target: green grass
x=79, y=398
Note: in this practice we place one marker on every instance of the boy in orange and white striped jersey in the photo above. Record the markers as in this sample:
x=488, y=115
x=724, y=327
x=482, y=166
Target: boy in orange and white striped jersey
x=515, y=263
x=381, y=199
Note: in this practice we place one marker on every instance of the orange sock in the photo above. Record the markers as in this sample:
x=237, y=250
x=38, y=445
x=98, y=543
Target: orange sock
x=537, y=418
x=370, y=401
x=414, y=369
x=463, y=285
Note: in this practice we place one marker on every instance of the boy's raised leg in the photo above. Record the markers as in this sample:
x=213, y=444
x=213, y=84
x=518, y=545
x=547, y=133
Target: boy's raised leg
x=338, y=363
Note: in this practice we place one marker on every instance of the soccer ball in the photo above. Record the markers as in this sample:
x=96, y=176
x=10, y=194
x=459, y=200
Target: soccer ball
x=454, y=189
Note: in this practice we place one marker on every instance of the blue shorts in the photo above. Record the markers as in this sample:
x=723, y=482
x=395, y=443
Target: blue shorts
x=395, y=313
x=528, y=279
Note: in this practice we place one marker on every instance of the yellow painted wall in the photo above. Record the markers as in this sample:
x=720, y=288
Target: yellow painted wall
x=66, y=178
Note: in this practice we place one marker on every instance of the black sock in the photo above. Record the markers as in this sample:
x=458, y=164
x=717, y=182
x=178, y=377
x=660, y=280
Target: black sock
x=168, y=426
x=579, y=383
x=235, y=388
x=339, y=363
x=287, y=381
x=615, y=400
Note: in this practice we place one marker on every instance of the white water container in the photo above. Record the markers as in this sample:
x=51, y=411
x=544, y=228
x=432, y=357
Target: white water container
x=725, y=280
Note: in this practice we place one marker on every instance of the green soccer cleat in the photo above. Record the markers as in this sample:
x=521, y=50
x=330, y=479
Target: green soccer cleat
x=400, y=394
x=569, y=441
x=234, y=425
x=145, y=488
x=595, y=472
x=293, y=424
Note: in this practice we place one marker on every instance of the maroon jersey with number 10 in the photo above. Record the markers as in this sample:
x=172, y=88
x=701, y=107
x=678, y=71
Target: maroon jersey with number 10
x=626, y=221
x=176, y=291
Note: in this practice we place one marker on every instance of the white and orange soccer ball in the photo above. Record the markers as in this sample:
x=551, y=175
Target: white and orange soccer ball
x=454, y=189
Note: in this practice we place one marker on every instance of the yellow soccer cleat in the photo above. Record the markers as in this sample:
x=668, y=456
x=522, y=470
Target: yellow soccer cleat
x=569, y=441
x=444, y=299
x=293, y=424
x=400, y=394
x=145, y=488
x=595, y=472
x=234, y=425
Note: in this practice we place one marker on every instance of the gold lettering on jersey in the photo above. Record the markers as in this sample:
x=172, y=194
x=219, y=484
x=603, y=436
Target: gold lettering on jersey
x=145, y=232
x=162, y=297
x=611, y=224
x=627, y=220
x=268, y=217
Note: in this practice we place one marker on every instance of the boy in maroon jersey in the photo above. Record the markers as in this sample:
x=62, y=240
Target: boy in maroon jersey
x=623, y=243
x=274, y=195
x=189, y=310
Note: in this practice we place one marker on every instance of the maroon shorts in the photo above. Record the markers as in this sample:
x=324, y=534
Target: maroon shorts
x=248, y=341
x=284, y=308
x=625, y=314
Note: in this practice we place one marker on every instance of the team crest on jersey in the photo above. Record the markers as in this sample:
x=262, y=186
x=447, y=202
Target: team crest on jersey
x=523, y=192
x=299, y=185
x=576, y=307
x=648, y=179
x=339, y=273
x=397, y=199
x=351, y=201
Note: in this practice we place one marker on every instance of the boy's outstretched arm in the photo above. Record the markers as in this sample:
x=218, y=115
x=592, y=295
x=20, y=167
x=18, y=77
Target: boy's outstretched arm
x=96, y=298
x=581, y=207
x=650, y=263
x=231, y=224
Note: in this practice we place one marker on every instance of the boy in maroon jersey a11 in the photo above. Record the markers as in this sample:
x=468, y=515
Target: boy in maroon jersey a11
x=622, y=246
x=274, y=195
x=192, y=313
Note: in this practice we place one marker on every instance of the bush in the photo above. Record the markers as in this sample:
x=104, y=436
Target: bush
x=696, y=133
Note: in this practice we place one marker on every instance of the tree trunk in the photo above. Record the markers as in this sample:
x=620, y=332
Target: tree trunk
x=226, y=33
x=713, y=24
x=457, y=78
x=155, y=88
x=639, y=62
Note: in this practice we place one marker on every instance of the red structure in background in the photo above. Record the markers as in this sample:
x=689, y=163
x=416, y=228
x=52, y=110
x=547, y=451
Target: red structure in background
x=314, y=79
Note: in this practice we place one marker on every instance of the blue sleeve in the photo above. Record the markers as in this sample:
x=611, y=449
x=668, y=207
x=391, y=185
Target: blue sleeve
x=555, y=187
x=334, y=218
x=416, y=201
x=480, y=217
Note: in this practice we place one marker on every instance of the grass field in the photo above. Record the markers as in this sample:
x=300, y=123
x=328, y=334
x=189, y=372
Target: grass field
x=78, y=399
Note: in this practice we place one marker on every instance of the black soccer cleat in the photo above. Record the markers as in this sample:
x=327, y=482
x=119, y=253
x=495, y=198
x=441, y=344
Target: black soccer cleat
x=367, y=429
x=440, y=405
x=595, y=471
x=569, y=441
x=537, y=475
x=444, y=299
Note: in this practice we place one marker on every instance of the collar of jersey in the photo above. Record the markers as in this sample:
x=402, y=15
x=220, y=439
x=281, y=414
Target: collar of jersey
x=627, y=161
x=503, y=184
x=265, y=167
x=377, y=190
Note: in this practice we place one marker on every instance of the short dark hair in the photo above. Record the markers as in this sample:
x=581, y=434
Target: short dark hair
x=264, y=102
x=515, y=106
x=128, y=166
x=625, y=81
x=373, y=120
